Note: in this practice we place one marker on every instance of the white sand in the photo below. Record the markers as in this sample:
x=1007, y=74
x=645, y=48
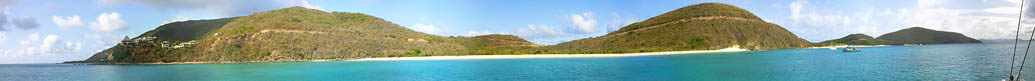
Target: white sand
x=730, y=49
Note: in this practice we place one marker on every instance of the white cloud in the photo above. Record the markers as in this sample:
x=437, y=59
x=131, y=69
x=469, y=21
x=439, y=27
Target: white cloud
x=74, y=46
x=1003, y=10
x=68, y=22
x=108, y=22
x=795, y=8
x=427, y=28
x=585, y=22
x=310, y=6
x=818, y=23
x=50, y=44
x=537, y=31
x=929, y=3
x=617, y=22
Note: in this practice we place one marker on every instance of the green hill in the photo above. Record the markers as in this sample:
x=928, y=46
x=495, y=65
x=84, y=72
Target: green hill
x=697, y=27
x=857, y=39
x=186, y=30
x=296, y=34
x=920, y=35
x=300, y=34
x=176, y=32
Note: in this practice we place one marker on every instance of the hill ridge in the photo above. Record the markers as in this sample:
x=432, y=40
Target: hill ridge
x=684, y=20
x=301, y=34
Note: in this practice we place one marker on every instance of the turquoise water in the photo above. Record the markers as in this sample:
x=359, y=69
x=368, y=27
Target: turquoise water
x=928, y=62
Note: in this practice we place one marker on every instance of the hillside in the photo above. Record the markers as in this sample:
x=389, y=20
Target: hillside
x=186, y=30
x=300, y=34
x=296, y=34
x=920, y=35
x=697, y=27
x=857, y=39
x=176, y=32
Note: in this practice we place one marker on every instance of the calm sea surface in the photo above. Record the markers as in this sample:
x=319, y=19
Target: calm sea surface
x=987, y=61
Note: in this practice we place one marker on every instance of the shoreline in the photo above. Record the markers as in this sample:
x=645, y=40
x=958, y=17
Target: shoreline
x=468, y=57
x=842, y=46
x=464, y=57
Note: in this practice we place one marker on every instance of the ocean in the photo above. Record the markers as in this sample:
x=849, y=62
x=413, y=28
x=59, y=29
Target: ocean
x=985, y=61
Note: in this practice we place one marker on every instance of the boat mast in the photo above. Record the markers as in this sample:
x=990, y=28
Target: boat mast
x=1016, y=36
x=1013, y=56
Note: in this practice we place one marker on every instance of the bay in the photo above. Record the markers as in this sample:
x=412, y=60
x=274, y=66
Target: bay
x=987, y=61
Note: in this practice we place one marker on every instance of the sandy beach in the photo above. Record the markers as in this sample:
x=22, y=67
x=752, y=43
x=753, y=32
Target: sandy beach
x=730, y=49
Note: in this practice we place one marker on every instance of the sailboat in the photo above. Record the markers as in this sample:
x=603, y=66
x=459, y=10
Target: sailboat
x=851, y=49
x=1013, y=56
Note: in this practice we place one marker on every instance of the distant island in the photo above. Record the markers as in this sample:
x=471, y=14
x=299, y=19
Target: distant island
x=301, y=34
x=912, y=35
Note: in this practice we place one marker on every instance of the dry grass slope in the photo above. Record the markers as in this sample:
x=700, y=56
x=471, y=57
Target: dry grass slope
x=697, y=27
x=300, y=34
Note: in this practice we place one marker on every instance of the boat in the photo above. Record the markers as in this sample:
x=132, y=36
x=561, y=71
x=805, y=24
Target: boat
x=852, y=49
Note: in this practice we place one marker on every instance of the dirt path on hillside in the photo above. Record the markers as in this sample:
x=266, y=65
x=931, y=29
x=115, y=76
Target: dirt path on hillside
x=685, y=20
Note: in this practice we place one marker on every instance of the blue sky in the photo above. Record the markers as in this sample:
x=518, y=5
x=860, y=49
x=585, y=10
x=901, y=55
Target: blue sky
x=47, y=31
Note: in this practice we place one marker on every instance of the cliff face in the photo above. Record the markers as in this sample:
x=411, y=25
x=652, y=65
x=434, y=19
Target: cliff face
x=920, y=35
x=696, y=27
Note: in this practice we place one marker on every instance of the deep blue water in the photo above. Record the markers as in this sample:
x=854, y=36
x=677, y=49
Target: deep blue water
x=927, y=62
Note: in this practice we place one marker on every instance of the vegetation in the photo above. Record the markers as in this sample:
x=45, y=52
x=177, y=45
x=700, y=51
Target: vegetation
x=300, y=34
x=856, y=39
x=693, y=11
x=697, y=27
x=175, y=33
x=920, y=35
x=912, y=35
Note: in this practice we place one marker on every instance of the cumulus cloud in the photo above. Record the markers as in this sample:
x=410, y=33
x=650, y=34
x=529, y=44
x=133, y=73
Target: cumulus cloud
x=221, y=7
x=105, y=22
x=617, y=22
x=585, y=22
x=25, y=22
x=49, y=44
x=537, y=31
x=427, y=28
x=3, y=12
x=108, y=22
x=68, y=22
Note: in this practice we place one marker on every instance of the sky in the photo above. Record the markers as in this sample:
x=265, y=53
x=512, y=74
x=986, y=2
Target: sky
x=52, y=31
